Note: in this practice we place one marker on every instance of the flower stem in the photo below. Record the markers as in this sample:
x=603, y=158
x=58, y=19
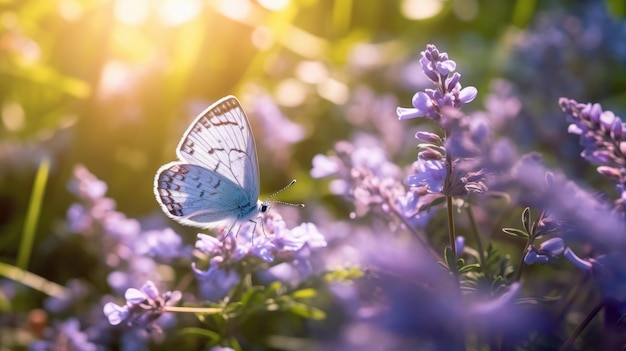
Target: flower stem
x=204, y=310
x=520, y=270
x=582, y=326
x=451, y=230
x=447, y=186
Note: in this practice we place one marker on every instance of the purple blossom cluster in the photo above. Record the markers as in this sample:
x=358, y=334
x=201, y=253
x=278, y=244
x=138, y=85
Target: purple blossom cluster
x=430, y=103
x=130, y=256
x=262, y=245
x=133, y=254
x=143, y=306
x=603, y=136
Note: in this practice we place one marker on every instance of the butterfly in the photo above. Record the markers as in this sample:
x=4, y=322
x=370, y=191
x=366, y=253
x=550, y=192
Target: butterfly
x=216, y=180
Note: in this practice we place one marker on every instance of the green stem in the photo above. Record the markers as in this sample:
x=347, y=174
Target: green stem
x=32, y=214
x=568, y=343
x=520, y=270
x=451, y=230
x=204, y=310
x=447, y=187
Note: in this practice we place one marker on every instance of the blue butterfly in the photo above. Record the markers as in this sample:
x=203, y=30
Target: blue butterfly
x=216, y=181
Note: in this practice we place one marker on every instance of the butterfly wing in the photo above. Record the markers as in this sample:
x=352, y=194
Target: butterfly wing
x=217, y=179
x=196, y=196
x=220, y=139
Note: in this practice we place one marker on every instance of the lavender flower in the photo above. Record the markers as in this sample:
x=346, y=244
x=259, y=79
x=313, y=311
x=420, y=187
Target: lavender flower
x=603, y=136
x=269, y=242
x=143, y=306
x=266, y=240
x=217, y=280
x=609, y=272
x=414, y=207
x=431, y=172
x=448, y=93
x=546, y=252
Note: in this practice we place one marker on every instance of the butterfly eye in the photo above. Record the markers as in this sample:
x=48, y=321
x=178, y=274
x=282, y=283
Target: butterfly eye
x=264, y=208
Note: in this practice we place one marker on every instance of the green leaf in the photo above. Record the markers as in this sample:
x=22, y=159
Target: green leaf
x=343, y=274
x=474, y=267
x=252, y=295
x=526, y=219
x=450, y=258
x=32, y=215
x=304, y=294
x=516, y=232
x=306, y=311
x=273, y=289
x=537, y=299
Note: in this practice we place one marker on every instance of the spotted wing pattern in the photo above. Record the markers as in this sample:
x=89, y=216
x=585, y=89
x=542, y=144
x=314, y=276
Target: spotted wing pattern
x=217, y=177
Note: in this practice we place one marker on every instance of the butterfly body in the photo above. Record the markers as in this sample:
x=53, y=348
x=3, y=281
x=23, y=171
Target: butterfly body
x=216, y=179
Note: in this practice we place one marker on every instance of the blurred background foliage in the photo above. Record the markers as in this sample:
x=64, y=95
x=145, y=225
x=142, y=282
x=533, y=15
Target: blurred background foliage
x=113, y=84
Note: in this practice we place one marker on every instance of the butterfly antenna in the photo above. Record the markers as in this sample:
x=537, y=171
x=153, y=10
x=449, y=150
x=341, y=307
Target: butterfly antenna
x=280, y=191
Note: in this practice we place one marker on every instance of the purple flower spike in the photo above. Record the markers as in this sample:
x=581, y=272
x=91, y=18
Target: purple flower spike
x=447, y=93
x=143, y=306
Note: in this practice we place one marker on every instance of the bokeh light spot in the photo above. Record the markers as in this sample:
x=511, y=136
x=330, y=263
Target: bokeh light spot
x=334, y=91
x=274, y=5
x=70, y=10
x=13, y=116
x=420, y=9
x=312, y=72
x=290, y=93
x=177, y=12
x=131, y=12
x=262, y=38
x=234, y=9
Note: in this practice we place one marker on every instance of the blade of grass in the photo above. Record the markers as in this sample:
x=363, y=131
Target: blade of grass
x=32, y=215
x=32, y=280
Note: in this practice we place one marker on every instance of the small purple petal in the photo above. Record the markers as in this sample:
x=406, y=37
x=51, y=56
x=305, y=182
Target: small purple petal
x=459, y=245
x=114, y=313
x=446, y=67
x=452, y=82
x=467, y=94
x=584, y=265
x=208, y=244
x=593, y=111
x=150, y=290
x=422, y=102
x=532, y=257
x=574, y=129
x=429, y=137
x=407, y=113
x=555, y=246
x=134, y=296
